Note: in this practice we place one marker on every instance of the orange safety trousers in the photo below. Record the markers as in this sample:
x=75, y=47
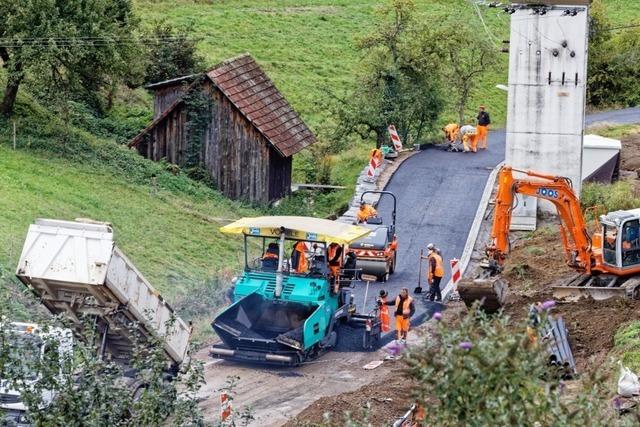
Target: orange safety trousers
x=470, y=142
x=481, y=138
x=384, y=318
x=402, y=324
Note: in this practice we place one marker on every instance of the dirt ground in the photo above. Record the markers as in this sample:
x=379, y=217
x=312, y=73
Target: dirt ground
x=537, y=263
x=383, y=401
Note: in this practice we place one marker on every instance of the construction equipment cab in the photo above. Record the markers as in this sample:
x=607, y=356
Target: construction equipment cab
x=288, y=314
x=377, y=252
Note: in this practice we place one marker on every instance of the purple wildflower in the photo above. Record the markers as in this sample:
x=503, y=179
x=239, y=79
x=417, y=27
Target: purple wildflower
x=617, y=403
x=437, y=315
x=547, y=305
x=465, y=345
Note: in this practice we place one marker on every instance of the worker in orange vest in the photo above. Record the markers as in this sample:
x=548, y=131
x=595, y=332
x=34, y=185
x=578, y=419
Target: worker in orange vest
x=451, y=134
x=435, y=272
x=335, y=264
x=383, y=311
x=299, y=261
x=404, y=309
x=365, y=212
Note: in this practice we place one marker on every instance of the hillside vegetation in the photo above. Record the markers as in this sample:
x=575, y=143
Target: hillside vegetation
x=168, y=225
x=170, y=230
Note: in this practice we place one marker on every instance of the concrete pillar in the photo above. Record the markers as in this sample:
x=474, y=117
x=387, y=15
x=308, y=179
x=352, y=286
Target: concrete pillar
x=547, y=91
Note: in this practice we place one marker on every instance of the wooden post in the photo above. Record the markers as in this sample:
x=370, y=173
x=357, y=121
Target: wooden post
x=14, y=134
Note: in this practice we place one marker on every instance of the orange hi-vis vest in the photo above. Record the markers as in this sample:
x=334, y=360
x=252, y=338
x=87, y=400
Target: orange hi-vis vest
x=406, y=308
x=384, y=316
x=303, y=265
x=439, y=268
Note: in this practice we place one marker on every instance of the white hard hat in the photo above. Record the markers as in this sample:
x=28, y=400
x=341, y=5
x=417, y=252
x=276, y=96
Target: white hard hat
x=431, y=246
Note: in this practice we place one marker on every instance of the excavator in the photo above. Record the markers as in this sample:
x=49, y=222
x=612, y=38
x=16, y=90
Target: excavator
x=607, y=262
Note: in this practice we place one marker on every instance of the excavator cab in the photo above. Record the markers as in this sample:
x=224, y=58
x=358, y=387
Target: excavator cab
x=621, y=239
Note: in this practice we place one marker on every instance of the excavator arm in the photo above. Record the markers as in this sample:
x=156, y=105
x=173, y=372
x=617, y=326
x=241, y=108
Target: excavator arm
x=555, y=189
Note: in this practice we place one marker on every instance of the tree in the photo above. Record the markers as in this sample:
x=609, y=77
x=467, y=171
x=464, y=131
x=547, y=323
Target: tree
x=396, y=84
x=75, y=387
x=613, y=74
x=67, y=45
x=462, y=51
x=172, y=54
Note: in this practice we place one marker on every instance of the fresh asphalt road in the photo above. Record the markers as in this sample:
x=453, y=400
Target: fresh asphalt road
x=438, y=195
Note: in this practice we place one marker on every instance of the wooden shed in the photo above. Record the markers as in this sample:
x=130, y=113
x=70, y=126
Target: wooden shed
x=231, y=122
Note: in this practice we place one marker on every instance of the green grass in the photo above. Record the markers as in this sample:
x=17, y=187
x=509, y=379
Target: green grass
x=170, y=229
x=627, y=344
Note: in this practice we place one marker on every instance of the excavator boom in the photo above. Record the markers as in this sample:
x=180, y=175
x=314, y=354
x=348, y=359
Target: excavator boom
x=557, y=190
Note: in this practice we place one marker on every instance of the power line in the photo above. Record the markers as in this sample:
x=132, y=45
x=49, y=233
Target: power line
x=492, y=38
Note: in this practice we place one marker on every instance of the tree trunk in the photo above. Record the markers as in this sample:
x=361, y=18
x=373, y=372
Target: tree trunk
x=10, y=94
x=380, y=138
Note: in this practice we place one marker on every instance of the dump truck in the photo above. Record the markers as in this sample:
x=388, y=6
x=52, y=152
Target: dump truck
x=288, y=301
x=376, y=252
x=607, y=262
x=28, y=342
x=74, y=268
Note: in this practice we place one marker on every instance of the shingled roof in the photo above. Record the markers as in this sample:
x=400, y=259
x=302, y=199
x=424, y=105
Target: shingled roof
x=244, y=83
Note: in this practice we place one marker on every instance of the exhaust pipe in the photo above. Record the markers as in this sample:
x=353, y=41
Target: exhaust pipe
x=215, y=351
x=277, y=358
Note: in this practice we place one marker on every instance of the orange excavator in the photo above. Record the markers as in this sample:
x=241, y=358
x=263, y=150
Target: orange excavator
x=607, y=262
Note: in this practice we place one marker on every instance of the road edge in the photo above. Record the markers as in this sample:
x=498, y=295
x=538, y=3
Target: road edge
x=475, y=228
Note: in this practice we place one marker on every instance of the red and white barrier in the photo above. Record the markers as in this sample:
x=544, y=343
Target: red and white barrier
x=225, y=407
x=395, y=138
x=375, y=159
x=455, y=272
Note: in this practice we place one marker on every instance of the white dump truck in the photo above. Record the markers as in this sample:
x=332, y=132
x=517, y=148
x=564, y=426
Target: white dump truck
x=74, y=268
x=29, y=342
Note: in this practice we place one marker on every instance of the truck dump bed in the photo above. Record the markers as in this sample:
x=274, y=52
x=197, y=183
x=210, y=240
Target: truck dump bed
x=75, y=268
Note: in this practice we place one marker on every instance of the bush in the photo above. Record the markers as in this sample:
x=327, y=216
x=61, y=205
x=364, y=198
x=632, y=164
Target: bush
x=486, y=372
x=612, y=197
x=627, y=341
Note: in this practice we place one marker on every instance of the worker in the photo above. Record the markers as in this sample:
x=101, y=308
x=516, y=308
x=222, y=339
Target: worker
x=335, y=263
x=270, y=257
x=365, y=212
x=435, y=272
x=483, y=128
x=451, y=134
x=349, y=270
x=299, y=261
x=404, y=309
x=229, y=293
x=383, y=310
x=469, y=138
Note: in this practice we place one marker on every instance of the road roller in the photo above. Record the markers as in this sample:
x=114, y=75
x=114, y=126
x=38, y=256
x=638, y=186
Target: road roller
x=376, y=252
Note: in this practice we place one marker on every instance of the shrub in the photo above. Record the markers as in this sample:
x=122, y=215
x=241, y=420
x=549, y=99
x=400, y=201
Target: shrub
x=485, y=371
x=612, y=197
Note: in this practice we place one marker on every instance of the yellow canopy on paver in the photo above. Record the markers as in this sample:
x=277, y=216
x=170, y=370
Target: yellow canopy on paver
x=297, y=227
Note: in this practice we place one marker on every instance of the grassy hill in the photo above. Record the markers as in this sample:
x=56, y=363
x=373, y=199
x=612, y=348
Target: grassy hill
x=169, y=229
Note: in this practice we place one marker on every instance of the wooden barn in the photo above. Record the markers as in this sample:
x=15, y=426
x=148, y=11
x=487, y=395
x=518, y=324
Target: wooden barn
x=232, y=122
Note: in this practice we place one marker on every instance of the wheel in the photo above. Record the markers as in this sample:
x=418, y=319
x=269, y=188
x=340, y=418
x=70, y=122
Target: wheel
x=384, y=277
x=392, y=267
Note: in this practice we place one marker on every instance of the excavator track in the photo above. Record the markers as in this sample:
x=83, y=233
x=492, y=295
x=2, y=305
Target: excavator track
x=599, y=287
